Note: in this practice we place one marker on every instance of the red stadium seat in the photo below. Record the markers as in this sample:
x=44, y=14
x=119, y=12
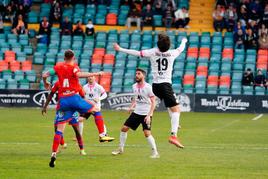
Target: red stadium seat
x=3, y=65
x=228, y=53
x=213, y=80
x=97, y=59
x=188, y=80
x=99, y=51
x=192, y=52
x=202, y=71
x=204, y=52
x=14, y=66
x=109, y=59
x=10, y=56
x=26, y=65
x=111, y=19
x=225, y=81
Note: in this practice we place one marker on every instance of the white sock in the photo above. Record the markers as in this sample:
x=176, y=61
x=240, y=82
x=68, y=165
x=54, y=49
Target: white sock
x=105, y=129
x=175, y=122
x=151, y=141
x=169, y=112
x=123, y=138
x=81, y=127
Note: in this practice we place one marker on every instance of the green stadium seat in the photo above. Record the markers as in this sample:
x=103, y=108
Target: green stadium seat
x=12, y=84
x=224, y=90
x=2, y=83
x=248, y=90
x=24, y=84
x=7, y=74
x=259, y=90
x=18, y=75
x=30, y=75
x=212, y=89
x=157, y=19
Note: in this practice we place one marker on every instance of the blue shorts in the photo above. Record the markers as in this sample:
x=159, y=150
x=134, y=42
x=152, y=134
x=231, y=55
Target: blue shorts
x=69, y=105
x=60, y=118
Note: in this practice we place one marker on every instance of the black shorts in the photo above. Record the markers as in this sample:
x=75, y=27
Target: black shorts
x=165, y=92
x=86, y=115
x=134, y=120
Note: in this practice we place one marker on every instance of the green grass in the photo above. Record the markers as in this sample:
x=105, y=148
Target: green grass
x=217, y=146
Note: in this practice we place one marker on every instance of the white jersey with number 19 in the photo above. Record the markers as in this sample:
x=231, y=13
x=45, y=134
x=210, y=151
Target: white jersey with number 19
x=161, y=63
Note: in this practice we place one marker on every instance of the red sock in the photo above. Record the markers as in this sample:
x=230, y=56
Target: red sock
x=56, y=141
x=62, y=141
x=80, y=141
x=99, y=122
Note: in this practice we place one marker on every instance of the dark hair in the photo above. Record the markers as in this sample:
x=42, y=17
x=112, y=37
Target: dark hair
x=163, y=42
x=141, y=70
x=68, y=54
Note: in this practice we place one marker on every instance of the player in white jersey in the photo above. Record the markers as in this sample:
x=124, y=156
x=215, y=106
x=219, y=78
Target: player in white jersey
x=162, y=60
x=144, y=105
x=95, y=93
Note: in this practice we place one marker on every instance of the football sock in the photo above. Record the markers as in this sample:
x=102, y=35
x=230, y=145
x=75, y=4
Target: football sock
x=56, y=142
x=151, y=141
x=81, y=127
x=80, y=141
x=123, y=138
x=62, y=141
x=175, y=121
x=99, y=122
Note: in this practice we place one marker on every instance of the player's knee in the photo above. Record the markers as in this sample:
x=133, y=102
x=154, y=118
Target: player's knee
x=175, y=108
x=147, y=133
x=124, y=129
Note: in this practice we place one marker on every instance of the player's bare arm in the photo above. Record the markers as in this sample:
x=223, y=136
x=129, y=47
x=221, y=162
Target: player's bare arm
x=128, y=51
x=132, y=106
x=152, y=108
x=49, y=98
x=87, y=74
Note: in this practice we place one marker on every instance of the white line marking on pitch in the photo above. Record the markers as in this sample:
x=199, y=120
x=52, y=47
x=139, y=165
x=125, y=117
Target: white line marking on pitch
x=226, y=125
x=257, y=117
x=19, y=143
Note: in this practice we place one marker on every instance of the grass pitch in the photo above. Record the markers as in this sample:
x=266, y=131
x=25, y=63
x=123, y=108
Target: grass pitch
x=216, y=146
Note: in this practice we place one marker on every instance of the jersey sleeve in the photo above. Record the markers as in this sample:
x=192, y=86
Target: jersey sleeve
x=150, y=91
x=76, y=70
x=147, y=53
x=176, y=52
x=101, y=89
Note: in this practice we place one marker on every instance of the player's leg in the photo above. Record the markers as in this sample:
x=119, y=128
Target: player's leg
x=151, y=141
x=122, y=140
x=171, y=103
x=79, y=139
x=147, y=133
x=81, y=125
x=56, y=142
x=99, y=121
x=132, y=122
x=57, y=118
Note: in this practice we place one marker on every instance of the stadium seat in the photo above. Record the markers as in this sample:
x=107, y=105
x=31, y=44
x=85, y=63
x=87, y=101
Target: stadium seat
x=12, y=84
x=3, y=65
x=259, y=90
x=14, y=66
x=248, y=90
x=111, y=19
x=24, y=84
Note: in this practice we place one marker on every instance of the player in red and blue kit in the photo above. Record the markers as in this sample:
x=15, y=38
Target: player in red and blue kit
x=70, y=101
x=59, y=117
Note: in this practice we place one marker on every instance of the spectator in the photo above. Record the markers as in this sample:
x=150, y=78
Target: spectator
x=263, y=29
x=44, y=27
x=259, y=79
x=78, y=30
x=243, y=15
x=252, y=24
x=158, y=10
x=21, y=11
x=230, y=18
x=182, y=18
x=263, y=41
x=9, y=14
x=168, y=17
x=146, y=2
x=239, y=38
x=19, y=26
x=170, y=3
x=265, y=16
x=251, y=40
x=1, y=25
x=66, y=27
x=239, y=26
x=255, y=10
x=90, y=31
x=134, y=16
x=218, y=17
x=248, y=78
x=147, y=16
x=55, y=13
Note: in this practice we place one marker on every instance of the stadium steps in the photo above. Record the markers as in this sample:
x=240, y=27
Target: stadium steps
x=201, y=15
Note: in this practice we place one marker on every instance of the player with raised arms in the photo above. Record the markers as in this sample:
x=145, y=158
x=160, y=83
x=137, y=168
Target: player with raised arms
x=162, y=60
x=70, y=101
x=143, y=105
x=95, y=93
